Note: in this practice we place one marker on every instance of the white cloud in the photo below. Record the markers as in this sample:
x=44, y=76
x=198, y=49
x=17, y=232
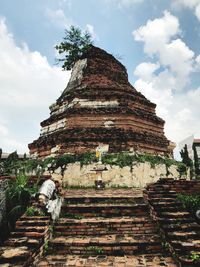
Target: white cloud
x=3, y=130
x=192, y=4
x=172, y=53
x=197, y=11
x=197, y=60
x=178, y=107
x=28, y=86
x=58, y=18
x=157, y=32
x=90, y=29
x=145, y=70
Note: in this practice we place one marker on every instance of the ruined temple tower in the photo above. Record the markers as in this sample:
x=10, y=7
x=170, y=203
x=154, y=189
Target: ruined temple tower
x=100, y=107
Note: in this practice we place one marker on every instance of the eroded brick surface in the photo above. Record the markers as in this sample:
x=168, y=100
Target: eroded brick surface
x=26, y=242
x=100, y=106
x=179, y=228
x=100, y=261
x=109, y=240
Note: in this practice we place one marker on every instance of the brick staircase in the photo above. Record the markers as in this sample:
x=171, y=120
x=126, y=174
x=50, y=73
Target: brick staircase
x=105, y=228
x=26, y=242
x=179, y=229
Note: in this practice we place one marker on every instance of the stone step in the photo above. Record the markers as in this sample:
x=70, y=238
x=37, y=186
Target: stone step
x=154, y=260
x=34, y=218
x=186, y=247
x=161, y=194
x=104, y=210
x=108, y=192
x=14, y=255
x=167, y=204
x=181, y=227
x=30, y=222
x=108, y=244
x=23, y=241
x=176, y=221
x=184, y=235
x=169, y=200
x=103, y=199
x=32, y=234
x=189, y=262
x=176, y=214
x=102, y=226
x=173, y=209
x=24, y=228
x=161, y=190
x=26, y=242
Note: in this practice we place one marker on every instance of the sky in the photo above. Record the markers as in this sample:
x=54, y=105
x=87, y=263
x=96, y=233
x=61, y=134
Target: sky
x=157, y=41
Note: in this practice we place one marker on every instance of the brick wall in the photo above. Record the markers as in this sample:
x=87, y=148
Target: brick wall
x=182, y=185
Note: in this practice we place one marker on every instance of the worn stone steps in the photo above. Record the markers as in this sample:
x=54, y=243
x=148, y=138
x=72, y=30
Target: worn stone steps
x=180, y=230
x=176, y=221
x=168, y=209
x=105, y=210
x=25, y=242
x=28, y=222
x=193, y=226
x=103, y=199
x=14, y=255
x=187, y=246
x=108, y=245
x=96, y=230
x=184, y=235
x=168, y=199
x=102, y=226
x=32, y=228
x=155, y=260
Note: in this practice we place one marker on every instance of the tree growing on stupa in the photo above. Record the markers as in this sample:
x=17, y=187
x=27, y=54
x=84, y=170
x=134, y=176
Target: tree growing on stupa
x=75, y=43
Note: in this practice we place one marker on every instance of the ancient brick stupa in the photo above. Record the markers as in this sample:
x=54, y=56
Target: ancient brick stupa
x=100, y=107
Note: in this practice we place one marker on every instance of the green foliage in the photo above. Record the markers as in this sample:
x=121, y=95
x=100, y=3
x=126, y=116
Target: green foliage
x=32, y=211
x=120, y=159
x=182, y=169
x=96, y=250
x=165, y=245
x=194, y=256
x=17, y=198
x=196, y=162
x=190, y=202
x=74, y=45
x=72, y=216
x=86, y=158
x=46, y=247
x=11, y=164
x=63, y=160
x=186, y=159
x=125, y=159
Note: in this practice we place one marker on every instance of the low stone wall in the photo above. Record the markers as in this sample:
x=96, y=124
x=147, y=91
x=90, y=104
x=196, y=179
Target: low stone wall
x=137, y=176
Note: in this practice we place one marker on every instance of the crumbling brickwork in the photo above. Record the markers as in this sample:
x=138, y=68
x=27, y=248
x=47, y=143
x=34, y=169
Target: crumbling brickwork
x=100, y=106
